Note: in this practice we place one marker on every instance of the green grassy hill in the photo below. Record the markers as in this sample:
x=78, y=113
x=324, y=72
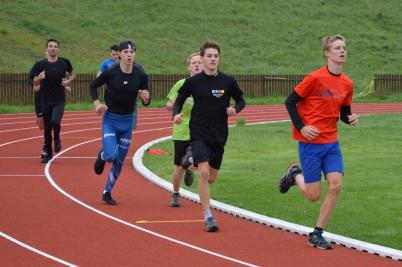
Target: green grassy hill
x=275, y=37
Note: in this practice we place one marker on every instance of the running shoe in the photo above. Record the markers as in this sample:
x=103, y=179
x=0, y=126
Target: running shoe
x=185, y=161
x=175, y=200
x=57, y=146
x=99, y=164
x=210, y=225
x=318, y=241
x=188, y=177
x=288, y=178
x=43, y=152
x=107, y=198
x=46, y=158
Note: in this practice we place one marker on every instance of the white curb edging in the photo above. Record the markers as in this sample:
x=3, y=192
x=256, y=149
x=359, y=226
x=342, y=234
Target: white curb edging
x=255, y=217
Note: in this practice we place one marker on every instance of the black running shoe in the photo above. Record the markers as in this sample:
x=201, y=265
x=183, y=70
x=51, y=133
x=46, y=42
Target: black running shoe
x=43, y=152
x=210, y=225
x=175, y=200
x=107, y=198
x=99, y=164
x=185, y=161
x=188, y=177
x=288, y=178
x=46, y=158
x=318, y=241
x=57, y=146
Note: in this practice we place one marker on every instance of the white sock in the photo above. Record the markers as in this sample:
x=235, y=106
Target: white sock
x=207, y=214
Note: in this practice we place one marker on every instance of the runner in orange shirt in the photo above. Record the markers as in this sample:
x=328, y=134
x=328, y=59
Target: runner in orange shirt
x=315, y=107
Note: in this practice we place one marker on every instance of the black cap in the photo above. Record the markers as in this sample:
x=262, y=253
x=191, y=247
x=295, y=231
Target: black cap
x=126, y=45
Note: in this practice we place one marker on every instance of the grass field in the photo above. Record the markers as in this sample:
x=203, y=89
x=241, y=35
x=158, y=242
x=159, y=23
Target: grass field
x=257, y=37
x=256, y=156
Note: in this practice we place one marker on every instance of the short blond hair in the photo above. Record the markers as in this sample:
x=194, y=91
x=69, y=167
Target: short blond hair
x=328, y=40
x=191, y=56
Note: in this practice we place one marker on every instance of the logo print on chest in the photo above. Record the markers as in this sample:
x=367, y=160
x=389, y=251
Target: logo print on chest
x=125, y=82
x=218, y=93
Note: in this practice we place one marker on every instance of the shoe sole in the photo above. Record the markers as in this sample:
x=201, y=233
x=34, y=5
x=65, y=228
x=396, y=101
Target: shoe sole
x=213, y=229
x=189, y=182
x=315, y=246
x=101, y=165
x=110, y=203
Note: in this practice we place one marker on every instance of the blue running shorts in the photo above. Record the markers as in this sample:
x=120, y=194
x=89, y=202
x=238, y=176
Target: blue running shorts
x=317, y=158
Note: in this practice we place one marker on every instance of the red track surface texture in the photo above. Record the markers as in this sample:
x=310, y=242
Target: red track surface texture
x=76, y=228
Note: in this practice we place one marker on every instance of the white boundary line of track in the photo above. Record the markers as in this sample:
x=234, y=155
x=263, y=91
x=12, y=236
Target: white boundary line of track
x=12, y=239
x=258, y=218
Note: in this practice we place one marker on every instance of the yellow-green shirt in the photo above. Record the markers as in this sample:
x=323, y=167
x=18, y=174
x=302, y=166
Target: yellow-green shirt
x=181, y=131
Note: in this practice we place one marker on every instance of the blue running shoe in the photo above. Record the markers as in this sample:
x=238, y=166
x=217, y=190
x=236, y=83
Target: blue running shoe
x=318, y=241
x=210, y=225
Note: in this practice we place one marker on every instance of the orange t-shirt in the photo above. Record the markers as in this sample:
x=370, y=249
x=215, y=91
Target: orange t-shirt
x=322, y=95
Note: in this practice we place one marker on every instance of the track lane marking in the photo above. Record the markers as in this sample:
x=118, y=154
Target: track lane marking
x=40, y=252
x=176, y=221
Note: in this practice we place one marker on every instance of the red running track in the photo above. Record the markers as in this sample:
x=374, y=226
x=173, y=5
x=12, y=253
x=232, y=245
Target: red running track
x=76, y=228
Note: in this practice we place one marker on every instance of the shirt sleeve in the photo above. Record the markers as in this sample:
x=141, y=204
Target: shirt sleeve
x=183, y=93
x=144, y=86
x=290, y=104
x=346, y=110
x=304, y=88
x=69, y=67
x=174, y=90
x=237, y=95
x=348, y=99
x=103, y=66
x=99, y=81
x=34, y=71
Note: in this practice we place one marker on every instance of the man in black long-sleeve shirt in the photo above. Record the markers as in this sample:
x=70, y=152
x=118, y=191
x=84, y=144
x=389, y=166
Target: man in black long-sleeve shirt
x=124, y=82
x=211, y=91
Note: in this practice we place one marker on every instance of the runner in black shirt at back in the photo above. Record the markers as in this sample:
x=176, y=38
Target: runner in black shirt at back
x=52, y=76
x=211, y=91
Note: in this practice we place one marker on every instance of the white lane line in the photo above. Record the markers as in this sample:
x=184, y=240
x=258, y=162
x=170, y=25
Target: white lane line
x=36, y=250
x=69, y=157
x=80, y=123
x=53, y=183
x=22, y=175
x=41, y=136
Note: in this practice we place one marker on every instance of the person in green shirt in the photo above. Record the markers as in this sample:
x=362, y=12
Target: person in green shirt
x=181, y=132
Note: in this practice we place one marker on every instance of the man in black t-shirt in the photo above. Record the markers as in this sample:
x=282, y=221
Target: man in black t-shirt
x=52, y=76
x=211, y=91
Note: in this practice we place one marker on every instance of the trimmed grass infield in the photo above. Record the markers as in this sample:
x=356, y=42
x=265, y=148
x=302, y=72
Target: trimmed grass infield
x=369, y=207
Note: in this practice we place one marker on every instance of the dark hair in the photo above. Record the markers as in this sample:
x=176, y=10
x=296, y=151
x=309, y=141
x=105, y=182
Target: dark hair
x=114, y=47
x=52, y=40
x=209, y=44
x=127, y=44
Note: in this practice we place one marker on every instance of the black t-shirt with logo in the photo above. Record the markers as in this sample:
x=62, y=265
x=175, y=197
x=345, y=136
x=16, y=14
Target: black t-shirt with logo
x=211, y=94
x=122, y=88
x=50, y=87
